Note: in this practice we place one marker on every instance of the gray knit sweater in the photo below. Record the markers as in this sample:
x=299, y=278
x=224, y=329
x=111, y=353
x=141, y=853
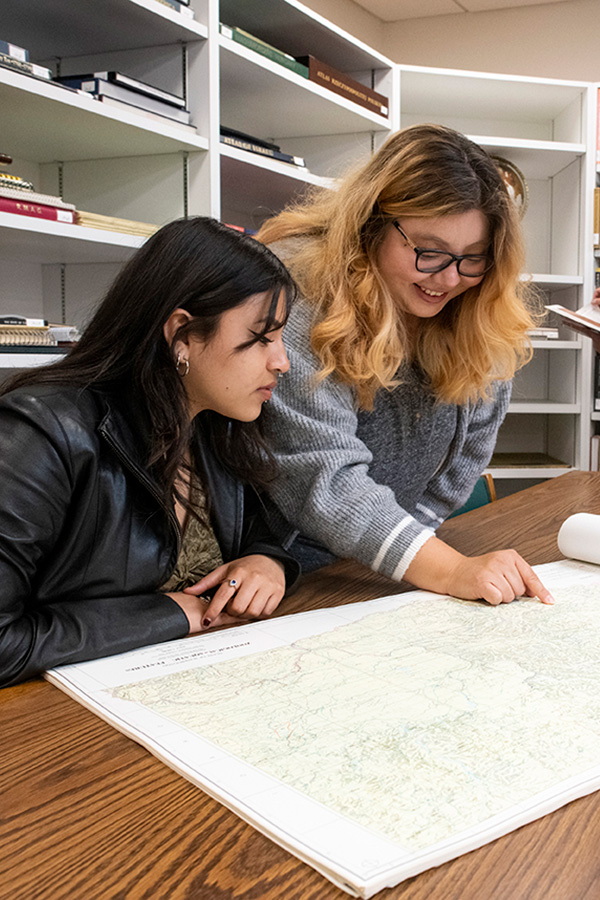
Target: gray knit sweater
x=371, y=485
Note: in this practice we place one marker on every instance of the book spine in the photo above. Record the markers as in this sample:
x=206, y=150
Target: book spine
x=263, y=151
x=14, y=51
x=594, y=453
x=597, y=383
x=266, y=50
x=340, y=83
x=27, y=68
x=22, y=320
x=598, y=127
x=38, y=210
x=596, y=217
x=34, y=197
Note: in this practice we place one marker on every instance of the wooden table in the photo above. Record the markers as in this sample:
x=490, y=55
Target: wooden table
x=86, y=813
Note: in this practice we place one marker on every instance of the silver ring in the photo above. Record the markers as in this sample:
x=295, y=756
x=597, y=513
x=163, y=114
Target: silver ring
x=233, y=583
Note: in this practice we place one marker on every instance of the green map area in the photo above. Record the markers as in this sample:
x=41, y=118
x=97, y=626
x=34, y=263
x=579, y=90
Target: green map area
x=416, y=723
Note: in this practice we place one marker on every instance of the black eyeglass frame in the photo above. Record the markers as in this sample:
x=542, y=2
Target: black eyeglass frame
x=453, y=257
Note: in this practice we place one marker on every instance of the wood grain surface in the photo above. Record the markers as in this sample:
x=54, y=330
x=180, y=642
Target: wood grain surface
x=87, y=814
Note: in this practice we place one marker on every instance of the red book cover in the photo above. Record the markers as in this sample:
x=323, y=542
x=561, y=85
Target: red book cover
x=38, y=210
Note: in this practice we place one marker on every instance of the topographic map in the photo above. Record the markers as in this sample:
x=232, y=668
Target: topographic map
x=418, y=719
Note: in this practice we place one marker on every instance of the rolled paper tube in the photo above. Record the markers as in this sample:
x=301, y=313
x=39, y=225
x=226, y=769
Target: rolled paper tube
x=579, y=537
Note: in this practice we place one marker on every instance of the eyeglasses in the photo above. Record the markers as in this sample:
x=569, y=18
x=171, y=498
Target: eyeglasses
x=470, y=266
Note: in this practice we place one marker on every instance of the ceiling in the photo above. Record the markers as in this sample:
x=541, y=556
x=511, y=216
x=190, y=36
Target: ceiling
x=395, y=10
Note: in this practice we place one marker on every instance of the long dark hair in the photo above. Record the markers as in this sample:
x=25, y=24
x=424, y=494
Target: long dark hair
x=206, y=268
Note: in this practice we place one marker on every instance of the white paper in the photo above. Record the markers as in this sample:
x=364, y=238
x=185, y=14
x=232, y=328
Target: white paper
x=579, y=537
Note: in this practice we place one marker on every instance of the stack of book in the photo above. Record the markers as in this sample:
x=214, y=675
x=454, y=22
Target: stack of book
x=25, y=332
x=18, y=196
x=112, y=223
x=17, y=58
x=123, y=92
x=543, y=332
x=257, y=145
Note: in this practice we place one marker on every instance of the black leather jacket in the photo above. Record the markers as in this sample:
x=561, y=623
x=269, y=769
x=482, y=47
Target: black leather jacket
x=85, y=540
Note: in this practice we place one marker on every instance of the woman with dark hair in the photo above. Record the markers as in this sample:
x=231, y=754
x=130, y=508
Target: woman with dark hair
x=130, y=469
x=411, y=324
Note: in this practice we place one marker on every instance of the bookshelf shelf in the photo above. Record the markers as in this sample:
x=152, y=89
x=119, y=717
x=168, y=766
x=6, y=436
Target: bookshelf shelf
x=76, y=126
x=247, y=180
x=296, y=107
x=555, y=344
x=298, y=30
x=543, y=407
x=552, y=282
x=98, y=27
x=41, y=241
x=540, y=472
x=10, y=360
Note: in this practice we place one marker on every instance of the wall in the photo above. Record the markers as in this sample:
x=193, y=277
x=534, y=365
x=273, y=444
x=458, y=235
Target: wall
x=551, y=40
x=352, y=18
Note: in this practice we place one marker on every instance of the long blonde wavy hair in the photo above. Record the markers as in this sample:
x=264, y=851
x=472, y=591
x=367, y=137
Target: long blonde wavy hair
x=359, y=333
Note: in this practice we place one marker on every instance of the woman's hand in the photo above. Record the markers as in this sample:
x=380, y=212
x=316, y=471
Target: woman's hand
x=195, y=608
x=259, y=585
x=498, y=577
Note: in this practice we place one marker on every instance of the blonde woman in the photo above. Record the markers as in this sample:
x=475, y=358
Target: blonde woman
x=411, y=326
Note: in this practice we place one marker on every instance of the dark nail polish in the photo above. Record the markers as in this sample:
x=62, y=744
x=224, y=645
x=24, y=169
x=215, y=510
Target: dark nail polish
x=205, y=623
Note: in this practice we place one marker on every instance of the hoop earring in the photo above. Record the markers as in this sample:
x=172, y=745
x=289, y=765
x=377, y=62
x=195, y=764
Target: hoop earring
x=182, y=362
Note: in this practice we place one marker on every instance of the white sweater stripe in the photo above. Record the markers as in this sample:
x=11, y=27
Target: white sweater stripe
x=422, y=538
x=407, y=520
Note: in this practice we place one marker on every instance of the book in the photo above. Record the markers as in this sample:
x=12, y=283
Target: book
x=543, y=332
x=273, y=53
x=179, y=6
x=22, y=320
x=15, y=181
x=596, y=384
x=13, y=50
x=145, y=113
x=587, y=317
x=528, y=460
x=112, y=223
x=598, y=127
x=131, y=84
x=38, y=210
x=596, y=225
x=595, y=453
x=26, y=335
x=28, y=196
x=340, y=83
x=25, y=67
x=254, y=145
x=101, y=88
x=364, y=738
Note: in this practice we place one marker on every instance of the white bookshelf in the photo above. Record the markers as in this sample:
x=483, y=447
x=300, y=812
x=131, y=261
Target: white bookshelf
x=121, y=163
x=544, y=127
x=265, y=99
x=116, y=162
